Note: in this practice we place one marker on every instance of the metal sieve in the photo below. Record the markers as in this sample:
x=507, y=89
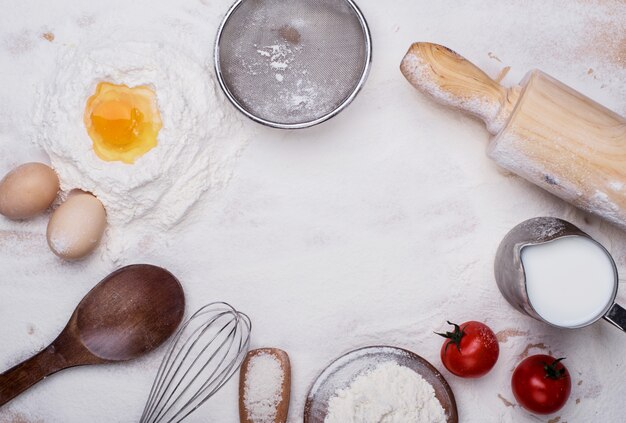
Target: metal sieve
x=292, y=63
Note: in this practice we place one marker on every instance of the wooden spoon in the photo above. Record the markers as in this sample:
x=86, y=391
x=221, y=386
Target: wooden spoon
x=129, y=313
x=282, y=408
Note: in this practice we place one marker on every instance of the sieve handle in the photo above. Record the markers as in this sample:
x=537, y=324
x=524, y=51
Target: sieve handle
x=454, y=81
x=617, y=316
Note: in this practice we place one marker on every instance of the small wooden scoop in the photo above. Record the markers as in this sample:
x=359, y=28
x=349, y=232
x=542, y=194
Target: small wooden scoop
x=246, y=414
x=129, y=313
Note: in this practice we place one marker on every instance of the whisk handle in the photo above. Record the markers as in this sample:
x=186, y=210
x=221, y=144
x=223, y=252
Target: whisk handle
x=24, y=375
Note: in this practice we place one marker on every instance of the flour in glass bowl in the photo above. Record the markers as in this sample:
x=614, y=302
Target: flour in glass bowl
x=197, y=144
x=389, y=393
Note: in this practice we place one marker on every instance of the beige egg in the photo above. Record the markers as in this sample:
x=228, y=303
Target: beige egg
x=28, y=190
x=76, y=227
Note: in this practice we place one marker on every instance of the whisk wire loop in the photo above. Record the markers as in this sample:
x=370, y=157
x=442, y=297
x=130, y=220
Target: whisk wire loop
x=198, y=334
x=204, y=354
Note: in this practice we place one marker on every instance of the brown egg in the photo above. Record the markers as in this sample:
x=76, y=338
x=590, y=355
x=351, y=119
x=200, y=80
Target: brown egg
x=28, y=190
x=76, y=227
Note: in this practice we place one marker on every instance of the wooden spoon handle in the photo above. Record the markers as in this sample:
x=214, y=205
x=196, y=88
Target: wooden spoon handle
x=454, y=81
x=24, y=375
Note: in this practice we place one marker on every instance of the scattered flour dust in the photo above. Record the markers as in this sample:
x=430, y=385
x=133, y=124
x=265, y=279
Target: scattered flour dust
x=262, y=392
x=196, y=147
x=389, y=393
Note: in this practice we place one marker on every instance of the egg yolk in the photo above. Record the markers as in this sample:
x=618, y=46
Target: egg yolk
x=123, y=122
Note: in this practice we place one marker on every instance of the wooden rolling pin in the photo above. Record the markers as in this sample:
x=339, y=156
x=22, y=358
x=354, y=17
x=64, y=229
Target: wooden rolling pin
x=265, y=386
x=543, y=130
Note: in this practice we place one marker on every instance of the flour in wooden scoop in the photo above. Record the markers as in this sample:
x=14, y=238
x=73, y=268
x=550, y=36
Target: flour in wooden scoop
x=263, y=388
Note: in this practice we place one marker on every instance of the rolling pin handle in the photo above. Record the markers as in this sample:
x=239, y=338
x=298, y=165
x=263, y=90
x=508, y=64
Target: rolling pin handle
x=454, y=81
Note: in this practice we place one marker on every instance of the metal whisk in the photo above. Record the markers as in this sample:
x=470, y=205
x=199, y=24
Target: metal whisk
x=204, y=354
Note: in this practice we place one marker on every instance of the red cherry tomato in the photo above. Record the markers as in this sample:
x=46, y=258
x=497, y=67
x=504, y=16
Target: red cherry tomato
x=471, y=350
x=541, y=384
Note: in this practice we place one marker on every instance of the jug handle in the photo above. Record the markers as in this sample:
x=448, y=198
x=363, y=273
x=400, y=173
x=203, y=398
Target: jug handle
x=617, y=316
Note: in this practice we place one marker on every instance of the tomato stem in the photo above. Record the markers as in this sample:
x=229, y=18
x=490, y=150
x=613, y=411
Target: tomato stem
x=454, y=337
x=552, y=370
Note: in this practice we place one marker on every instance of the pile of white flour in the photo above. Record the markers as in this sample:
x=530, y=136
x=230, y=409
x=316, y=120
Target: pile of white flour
x=195, y=146
x=388, y=394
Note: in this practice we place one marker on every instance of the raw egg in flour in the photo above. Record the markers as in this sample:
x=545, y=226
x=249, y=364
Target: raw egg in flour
x=123, y=122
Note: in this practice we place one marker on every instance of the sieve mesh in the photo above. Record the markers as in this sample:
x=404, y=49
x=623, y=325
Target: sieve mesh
x=292, y=62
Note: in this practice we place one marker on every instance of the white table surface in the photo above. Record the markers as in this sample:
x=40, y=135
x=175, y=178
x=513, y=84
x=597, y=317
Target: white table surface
x=393, y=198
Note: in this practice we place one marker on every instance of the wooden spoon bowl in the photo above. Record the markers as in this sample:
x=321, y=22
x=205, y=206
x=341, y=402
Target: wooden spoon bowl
x=129, y=313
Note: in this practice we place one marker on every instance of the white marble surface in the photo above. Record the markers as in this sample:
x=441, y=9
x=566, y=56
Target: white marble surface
x=390, y=212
